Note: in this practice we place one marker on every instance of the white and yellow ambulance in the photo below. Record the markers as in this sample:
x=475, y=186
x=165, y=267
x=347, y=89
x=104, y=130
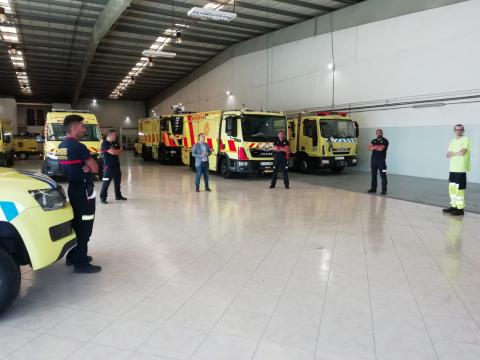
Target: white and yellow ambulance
x=6, y=143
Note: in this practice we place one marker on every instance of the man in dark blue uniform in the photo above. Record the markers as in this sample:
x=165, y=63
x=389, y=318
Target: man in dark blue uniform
x=111, y=167
x=379, y=147
x=79, y=168
x=281, y=148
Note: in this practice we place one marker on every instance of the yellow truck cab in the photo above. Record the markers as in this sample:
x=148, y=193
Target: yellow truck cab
x=55, y=133
x=25, y=145
x=35, y=227
x=323, y=140
x=161, y=138
x=242, y=141
x=6, y=143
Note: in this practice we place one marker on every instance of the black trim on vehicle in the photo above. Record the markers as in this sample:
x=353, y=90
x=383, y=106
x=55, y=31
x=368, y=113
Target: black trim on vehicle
x=61, y=231
x=67, y=247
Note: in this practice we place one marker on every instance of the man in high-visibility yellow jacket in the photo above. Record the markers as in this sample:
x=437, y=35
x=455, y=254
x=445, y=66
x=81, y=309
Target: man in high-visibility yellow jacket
x=459, y=155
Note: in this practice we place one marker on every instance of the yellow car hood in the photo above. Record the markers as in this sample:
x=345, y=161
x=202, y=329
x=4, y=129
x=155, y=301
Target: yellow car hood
x=26, y=180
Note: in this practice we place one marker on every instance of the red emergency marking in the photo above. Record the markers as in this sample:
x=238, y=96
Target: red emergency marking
x=222, y=145
x=70, y=162
x=190, y=128
x=231, y=145
x=172, y=142
x=185, y=143
x=210, y=143
x=251, y=145
x=164, y=138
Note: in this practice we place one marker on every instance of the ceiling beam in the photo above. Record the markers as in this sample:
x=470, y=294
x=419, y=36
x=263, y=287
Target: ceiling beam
x=109, y=16
x=307, y=5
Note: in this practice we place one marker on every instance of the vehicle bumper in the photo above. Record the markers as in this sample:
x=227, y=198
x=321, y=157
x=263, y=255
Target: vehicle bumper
x=173, y=153
x=51, y=167
x=336, y=161
x=37, y=226
x=251, y=166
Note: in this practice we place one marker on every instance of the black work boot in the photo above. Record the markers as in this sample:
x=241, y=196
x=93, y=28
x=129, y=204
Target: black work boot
x=70, y=262
x=104, y=201
x=449, y=210
x=371, y=191
x=120, y=198
x=457, y=212
x=87, y=269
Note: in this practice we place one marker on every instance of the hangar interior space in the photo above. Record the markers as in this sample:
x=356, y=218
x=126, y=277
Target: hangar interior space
x=230, y=180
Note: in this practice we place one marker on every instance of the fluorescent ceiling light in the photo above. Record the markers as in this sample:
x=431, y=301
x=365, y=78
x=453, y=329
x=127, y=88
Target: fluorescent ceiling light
x=211, y=14
x=164, y=54
x=10, y=38
x=8, y=29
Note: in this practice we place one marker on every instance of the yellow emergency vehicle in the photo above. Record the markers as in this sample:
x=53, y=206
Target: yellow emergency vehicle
x=35, y=227
x=6, y=143
x=55, y=133
x=25, y=145
x=323, y=140
x=242, y=141
x=161, y=138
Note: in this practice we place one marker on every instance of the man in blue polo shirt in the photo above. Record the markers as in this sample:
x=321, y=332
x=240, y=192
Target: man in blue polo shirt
x=79, y=168
x=111, y=167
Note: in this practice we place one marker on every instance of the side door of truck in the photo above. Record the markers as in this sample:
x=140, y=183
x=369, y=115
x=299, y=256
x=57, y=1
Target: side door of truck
x=309, y=136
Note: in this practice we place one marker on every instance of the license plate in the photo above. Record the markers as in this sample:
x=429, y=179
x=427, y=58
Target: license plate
x=339, y=158
x=266, y=163
x=268, y=171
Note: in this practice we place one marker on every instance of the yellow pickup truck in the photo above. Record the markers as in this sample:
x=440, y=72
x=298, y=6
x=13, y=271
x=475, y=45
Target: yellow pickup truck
x=35, y=227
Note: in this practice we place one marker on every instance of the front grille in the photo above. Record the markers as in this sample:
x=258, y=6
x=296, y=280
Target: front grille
x=341, y=152
x=258, y=153
x=60, y=231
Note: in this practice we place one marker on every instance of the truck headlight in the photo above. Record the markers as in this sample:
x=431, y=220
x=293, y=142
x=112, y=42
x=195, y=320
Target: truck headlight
x=50, y=199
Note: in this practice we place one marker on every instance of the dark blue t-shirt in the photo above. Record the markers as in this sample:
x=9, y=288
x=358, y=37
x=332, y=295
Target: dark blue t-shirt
x=73, y=160
x=380, y=155
x=109, y=159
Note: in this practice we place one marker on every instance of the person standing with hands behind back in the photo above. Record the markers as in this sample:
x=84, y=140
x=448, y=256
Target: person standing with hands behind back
x=201, y=151
x=281, y=148
x=378, y=147
x=459, y=155
x=111, y=167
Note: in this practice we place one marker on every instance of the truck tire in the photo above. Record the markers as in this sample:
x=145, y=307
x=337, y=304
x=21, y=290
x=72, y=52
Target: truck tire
x=337, y=169
x=9, y=280
x=146, y=155
x=301, y=163
x=3, y=160
x=224, y=168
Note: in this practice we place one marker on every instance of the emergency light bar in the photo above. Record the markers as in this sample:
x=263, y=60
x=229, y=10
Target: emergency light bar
x=155, y=53
x=217, y=15
x=328, y=113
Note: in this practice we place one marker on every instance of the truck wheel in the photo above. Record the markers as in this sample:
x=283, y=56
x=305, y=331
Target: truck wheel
x=23, y=156
x=146, y=155
x=337, y=169
x=301, y=164
x=9, y=280
x=3, y=160
x=225, y=168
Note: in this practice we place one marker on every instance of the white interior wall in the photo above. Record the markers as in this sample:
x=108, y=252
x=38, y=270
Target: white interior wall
x=420, y=55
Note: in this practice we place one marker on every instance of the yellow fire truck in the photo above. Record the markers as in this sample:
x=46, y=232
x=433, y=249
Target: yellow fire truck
x=6, y=144
x=323, y=140
x=161, y=138
x=242, y=141
x=26, y=145
x=55, y=133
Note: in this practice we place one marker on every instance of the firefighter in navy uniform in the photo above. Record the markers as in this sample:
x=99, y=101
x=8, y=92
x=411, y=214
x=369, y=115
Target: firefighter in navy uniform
x=378, y=147
x=111, y=167
x=281, y=148
x=79, y=168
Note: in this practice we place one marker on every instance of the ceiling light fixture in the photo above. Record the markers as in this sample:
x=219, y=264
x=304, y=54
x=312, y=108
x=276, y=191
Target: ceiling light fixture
x=331, y=66
x=159, y=53
x=12, y=50
x=3, y=15
x=133, y=79
x=211, y=14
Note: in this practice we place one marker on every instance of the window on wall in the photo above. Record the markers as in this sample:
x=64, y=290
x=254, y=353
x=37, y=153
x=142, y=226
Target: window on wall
x=35, y=117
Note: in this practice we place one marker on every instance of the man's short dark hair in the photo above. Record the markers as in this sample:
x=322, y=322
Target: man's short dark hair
x=460, y=126
x=281, y=131
x=111, y=131
x=70, y=120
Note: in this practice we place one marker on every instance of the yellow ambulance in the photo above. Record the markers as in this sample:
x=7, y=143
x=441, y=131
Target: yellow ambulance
x=323, y=140
x=6, y=143
x=161, y=138
x=242, y=141
x=55, y=133
x=35, y=227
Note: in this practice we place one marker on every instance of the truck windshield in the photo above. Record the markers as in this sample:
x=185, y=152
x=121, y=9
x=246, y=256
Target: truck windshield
x=337, y=128
x=56, y=132
x=177, y=124
x=262, y=127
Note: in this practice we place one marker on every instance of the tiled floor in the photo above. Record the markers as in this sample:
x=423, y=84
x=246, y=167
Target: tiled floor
x=246, y=272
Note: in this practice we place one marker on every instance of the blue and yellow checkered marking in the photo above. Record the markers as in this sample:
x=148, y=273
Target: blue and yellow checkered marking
x=344, y=140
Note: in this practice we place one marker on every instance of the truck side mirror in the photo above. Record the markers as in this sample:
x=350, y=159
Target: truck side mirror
x=7, y=139
x=357, y=129
x=40, y=139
